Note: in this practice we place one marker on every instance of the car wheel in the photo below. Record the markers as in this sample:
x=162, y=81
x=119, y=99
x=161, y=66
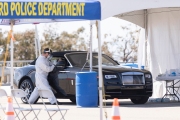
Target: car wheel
x=73, y=100
x=141, y=100
x=27, y=86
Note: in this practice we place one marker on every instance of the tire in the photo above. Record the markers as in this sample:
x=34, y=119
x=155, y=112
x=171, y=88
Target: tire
x=141, y=100
x=27, y=86
x=73, y=100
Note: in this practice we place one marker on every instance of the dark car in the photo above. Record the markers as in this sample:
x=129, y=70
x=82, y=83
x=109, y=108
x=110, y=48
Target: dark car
x=119, y=82
x=135, y=65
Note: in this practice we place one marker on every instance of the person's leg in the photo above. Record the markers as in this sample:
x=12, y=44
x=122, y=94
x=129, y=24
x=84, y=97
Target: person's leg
x=34, y=96
x=53, y=82
x=45, y=85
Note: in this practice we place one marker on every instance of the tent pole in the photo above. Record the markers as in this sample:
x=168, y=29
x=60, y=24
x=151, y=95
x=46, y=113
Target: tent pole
x=39, y=45
x=35, y=41
x=38, y=48
x=12, y=53
x=90, y=46
x=100, y=69
x=146, y=37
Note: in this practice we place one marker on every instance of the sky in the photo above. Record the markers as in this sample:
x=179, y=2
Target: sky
x=110, y=26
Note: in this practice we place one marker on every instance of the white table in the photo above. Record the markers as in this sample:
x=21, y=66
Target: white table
x=170, y=79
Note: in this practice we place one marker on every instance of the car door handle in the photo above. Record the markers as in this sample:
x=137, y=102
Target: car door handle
x=72, y=82
x=64, y=71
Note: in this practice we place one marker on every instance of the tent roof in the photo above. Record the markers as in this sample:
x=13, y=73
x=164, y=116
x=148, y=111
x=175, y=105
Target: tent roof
x=87, y=1
x=131, y=10
x=28, y=11
x=136, y=17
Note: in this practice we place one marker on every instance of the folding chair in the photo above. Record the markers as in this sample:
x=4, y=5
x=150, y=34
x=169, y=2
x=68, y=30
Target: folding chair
x=19, y=93
x=3, y=94
x=47, y=94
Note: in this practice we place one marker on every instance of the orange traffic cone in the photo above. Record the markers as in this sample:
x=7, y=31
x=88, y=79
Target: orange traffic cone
x=115, y=112
x=9, y=110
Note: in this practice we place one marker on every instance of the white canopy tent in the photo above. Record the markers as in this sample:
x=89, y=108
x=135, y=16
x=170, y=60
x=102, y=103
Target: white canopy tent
x=116, y=7
x=159, y=46
x=14, y=12
x=136, y=12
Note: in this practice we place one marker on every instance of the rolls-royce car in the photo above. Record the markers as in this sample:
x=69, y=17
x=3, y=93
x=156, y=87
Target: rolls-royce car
x=119, y=81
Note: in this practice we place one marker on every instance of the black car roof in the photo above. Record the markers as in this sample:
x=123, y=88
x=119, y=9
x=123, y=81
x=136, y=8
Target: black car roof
x=58, y=54
x=61, y=53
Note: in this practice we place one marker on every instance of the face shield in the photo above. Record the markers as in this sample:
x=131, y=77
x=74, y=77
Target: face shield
x=49, y=57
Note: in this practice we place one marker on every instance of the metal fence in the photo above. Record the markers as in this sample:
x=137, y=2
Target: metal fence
x=6, y=80
x=19, y=63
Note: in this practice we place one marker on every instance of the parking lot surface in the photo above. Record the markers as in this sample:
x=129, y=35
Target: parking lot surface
x=128, y=110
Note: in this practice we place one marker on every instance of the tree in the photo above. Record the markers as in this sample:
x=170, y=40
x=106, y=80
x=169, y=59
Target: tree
x=105, y=49
x=125, y=47
x=24, y=48
x=63, y=41
x=130, y=47
x=3, y=45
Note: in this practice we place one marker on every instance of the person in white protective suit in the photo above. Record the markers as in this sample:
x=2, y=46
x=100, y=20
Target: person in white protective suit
x=43, y=67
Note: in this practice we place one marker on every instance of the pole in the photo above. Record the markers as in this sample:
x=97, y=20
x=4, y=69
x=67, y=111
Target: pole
x=37, y=42
x=90, y=46
x=100, y=69
x=5, y=58
x=12, y=54
x=146, y=37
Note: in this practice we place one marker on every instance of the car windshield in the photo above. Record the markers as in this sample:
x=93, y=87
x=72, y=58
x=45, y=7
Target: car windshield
x=79, y=59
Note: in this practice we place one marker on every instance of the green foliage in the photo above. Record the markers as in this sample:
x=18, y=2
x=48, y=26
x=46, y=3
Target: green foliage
x=24, y=46
x=64, y=41
x=125, y=47
x=3, y=42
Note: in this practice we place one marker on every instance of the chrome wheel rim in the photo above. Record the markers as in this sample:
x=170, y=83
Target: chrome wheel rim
x=26, y=86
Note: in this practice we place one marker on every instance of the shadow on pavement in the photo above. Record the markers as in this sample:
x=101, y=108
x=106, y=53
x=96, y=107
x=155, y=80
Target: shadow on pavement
x=62, y=103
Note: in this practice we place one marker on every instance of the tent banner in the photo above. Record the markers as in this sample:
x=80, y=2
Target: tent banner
x=50, y=10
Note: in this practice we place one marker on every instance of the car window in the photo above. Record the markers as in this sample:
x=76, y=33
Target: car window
x=79, y=59
x=55, y=59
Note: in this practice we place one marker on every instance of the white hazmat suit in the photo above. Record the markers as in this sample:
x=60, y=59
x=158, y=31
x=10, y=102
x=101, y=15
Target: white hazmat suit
x=43, y=67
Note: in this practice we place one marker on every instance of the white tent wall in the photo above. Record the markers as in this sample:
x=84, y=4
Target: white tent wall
x=164, y=43
x=162, y=32
x=141, y=49
x=164, y=40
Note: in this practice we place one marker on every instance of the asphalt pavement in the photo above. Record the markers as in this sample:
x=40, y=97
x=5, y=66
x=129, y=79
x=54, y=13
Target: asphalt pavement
x=128, y=110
